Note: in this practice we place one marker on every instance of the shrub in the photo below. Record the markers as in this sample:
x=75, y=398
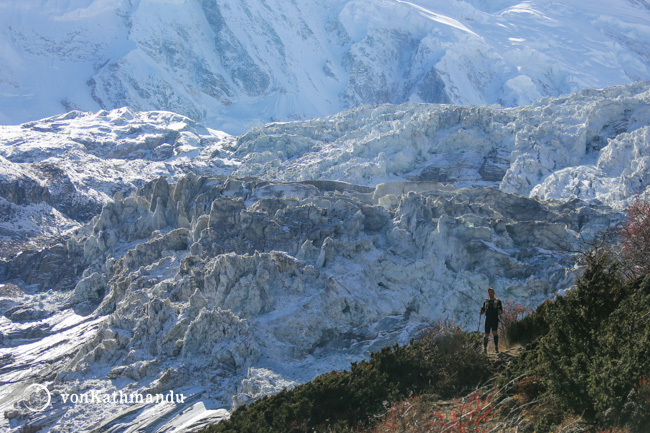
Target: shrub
x=596, y=348
x=616, y=430
x=643, y=389
x=576, y=323
x=636, y=411
x=634, y=238
x=512, y=313
x=444, y=360
x=530, y=327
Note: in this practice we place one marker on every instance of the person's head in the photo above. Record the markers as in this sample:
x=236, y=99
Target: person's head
x=491, y=292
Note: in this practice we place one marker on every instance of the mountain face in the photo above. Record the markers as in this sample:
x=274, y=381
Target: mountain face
x=145, y=253
x=234, y=64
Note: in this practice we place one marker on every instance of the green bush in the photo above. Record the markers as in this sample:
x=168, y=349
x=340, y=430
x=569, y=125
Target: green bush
x=576, y=328
x=596, y=347
x=530, y=327
x=444, y=360
x=623, y=358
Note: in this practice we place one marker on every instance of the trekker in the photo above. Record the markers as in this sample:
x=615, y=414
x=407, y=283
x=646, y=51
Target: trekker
x=492, y=309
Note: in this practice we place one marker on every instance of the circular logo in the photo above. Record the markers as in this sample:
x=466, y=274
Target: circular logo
x=36, y=397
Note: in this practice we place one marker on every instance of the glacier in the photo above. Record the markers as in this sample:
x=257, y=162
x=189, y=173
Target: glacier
x=57, y=173
x=235, y=65
x=143, y=252
x=223, y=199
x=592, y=145
x=218, y=287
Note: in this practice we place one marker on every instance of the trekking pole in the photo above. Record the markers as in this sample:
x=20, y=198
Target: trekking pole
x=478, y=328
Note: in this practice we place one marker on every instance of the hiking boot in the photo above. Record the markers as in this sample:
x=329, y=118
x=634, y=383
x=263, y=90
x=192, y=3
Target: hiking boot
x=485, y=350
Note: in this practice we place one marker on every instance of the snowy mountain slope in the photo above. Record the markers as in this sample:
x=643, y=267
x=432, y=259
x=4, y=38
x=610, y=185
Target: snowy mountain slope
x=236, y=64
x=217, y=287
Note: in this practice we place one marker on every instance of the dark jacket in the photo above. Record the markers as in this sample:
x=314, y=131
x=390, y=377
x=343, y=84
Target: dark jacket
x=491, y=308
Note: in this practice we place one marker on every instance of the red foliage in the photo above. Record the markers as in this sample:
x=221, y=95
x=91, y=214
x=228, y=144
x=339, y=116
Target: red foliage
x=634, y=237
x=643, y=388
x=397, y=418
x=468, y=415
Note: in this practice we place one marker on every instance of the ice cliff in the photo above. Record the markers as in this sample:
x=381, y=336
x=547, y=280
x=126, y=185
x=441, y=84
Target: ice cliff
x=57, y=173
x=592, y=145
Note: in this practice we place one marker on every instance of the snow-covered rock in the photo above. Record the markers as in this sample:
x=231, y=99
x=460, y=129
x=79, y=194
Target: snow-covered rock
x=57, y=173
x=233, y=65
x=258, y=383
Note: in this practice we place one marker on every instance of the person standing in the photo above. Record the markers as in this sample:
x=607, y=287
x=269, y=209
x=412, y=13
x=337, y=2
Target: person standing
x=492, y=308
